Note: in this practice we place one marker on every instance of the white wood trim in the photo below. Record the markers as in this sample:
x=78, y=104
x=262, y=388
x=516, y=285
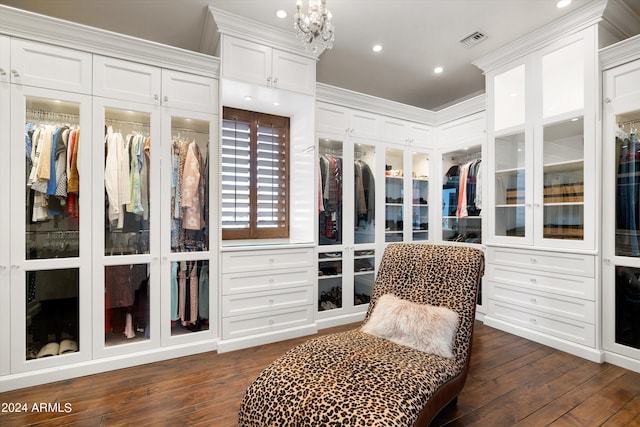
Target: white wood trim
x=32, y=26
x=620, y=53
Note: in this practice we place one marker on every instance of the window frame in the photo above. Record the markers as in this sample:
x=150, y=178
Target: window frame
x=254, y=119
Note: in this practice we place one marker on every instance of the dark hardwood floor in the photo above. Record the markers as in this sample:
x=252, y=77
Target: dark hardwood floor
x=512, y=381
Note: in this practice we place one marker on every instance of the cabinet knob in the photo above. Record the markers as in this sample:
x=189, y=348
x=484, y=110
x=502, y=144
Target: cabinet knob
x=3, y=267
x=271, y=301
x=14, y=266
x=534, y=301
x=275, y=81
x=607, y=100
x=271, y=281
x=165, y=98
x=156, y=97
x=533, y=280
x=271, y=259
x=533, y=320
x=271, y=321
x=15, y=74
x=533, y=260
x=269, y=79
x=2, y=72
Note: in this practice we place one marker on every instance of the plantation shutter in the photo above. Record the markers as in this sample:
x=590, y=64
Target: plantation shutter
x=255, y=175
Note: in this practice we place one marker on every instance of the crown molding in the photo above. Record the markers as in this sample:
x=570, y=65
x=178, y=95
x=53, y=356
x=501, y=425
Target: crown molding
x=372, y=104
x=569, y=24
x=19, y=23
x=471, y=106
x=620, y=53
x=248, y=29
x=620, y=20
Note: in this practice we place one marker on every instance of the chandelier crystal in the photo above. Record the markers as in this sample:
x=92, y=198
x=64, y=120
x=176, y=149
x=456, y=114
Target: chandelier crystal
x=314, y=29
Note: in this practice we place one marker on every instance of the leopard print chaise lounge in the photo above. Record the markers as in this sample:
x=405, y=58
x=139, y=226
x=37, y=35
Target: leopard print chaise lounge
x=356, y=379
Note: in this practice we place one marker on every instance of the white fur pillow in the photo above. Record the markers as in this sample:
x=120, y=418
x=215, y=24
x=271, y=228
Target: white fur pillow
x=421, y=326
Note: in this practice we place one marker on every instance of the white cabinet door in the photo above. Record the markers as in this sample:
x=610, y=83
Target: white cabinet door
x=332, y=119
x=126, y=229
x=246, y=61
x=5, y=215
x=394, y=131
x=50, y=254
x=420, y=135
x=293, y=72
x=42, y=65
x=188, y=241
x=189, y=92
x=125, y=80
x=5, y=60
x=264, y=66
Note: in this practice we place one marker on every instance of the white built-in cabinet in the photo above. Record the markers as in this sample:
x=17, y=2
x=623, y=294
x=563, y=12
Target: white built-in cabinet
x=541, y=265
x=349, y=160
x=373, y=189
x=621, y=179
x=263, y=65
x=157, y=249
x=48, y=264
x=267, y=294
x=76, y=295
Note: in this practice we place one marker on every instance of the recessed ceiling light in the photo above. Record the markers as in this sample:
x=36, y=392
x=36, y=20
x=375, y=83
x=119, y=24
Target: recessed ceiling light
x=377, y=48
x=281, y=14
x=247, y=98
x=563, y=3
x=438, y=70
x=276, y=103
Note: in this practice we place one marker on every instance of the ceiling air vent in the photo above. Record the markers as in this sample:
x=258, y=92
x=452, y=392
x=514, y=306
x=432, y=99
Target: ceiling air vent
x=473, y=39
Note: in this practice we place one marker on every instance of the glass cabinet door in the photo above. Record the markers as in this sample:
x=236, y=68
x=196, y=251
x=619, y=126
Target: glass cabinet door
x=462, y=196
x=186, y=255
x=563, y=188
x=622, y=294
x=127, y=176
x=394, y=195
x=50, y=254
x=419, y=196
x=331, y=224
x=510, y=185
x=330, y=170
x=364, y=203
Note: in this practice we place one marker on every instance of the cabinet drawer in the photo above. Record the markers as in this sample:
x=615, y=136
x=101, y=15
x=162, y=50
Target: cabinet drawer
x=239, y=283
x=552, y=262
x=254, y=324
x=569, y=285
x=570, y=330
x=261, y=302
x=53, y=67
x=240, y=261
x=572, y=308
x=118, y=79
x=189, y=92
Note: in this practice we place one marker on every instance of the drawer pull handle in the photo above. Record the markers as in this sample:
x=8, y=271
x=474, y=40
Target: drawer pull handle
x=533, y=280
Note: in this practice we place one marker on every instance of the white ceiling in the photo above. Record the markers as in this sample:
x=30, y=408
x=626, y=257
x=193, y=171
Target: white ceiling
x=416, y=36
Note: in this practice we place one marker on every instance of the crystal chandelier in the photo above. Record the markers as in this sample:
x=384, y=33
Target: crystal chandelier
x=315, y=29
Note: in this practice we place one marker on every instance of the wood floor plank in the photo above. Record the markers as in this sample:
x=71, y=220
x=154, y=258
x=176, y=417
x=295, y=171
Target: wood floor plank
x=512, y=381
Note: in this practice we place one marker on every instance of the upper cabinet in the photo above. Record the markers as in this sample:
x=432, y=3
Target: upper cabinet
x=404, y=132
x=48, y=66
x=542, y=145
x=263, y=65
x=339, y=120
